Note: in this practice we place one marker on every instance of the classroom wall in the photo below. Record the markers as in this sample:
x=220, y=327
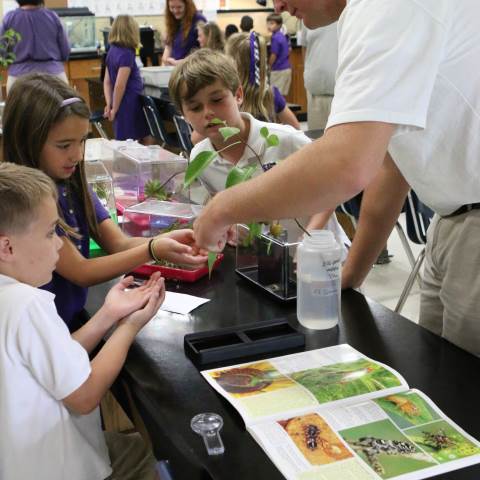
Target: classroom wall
x=158, y=21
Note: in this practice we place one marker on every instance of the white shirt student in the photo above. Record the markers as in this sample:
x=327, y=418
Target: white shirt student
x=407, y=83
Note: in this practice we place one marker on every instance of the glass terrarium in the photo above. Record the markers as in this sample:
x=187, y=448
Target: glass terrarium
x=153, y=217
x=269, y=260
x=141, y=173
x=79, y=23
x=101, y=183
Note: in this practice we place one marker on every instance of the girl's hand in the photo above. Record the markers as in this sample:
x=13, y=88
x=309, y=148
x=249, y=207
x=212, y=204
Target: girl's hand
x=185, y=236
x=112, y=114
x=178, y=249
x=142, y=316
x=120, y=302
x=106, y=111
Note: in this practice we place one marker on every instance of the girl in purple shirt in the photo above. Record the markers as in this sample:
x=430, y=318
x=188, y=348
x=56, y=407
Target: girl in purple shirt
x=181, y=18
x=45, y=125
x=44, y=44
x=266, y=103
x=123, y=85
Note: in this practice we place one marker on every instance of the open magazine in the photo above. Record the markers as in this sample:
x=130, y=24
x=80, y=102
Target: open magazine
x=333, y=413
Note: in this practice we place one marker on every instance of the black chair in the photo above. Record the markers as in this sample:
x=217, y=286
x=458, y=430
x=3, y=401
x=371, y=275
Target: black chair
x=184, y=132
x=156, y=125
x=418, y=217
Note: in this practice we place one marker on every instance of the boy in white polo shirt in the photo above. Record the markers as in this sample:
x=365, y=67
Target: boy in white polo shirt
x=206, y=86
x=49, y=389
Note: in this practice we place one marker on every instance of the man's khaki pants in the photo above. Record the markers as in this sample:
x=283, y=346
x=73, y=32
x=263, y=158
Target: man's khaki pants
x=450, y=301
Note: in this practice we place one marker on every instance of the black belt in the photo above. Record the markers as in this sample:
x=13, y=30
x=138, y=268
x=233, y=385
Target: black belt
x=464, y=209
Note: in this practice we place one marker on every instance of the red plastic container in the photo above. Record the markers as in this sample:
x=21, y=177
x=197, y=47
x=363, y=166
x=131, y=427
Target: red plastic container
x=176, y=273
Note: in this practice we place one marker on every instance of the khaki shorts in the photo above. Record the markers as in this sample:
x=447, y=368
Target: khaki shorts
x=282, y=80
x=450, y=300
x=130, y=457
x=318, y=110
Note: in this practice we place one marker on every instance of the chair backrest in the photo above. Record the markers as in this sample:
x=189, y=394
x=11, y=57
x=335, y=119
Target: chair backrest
x=351, y=207
x=154, y=121
x=184, y=132
x=418, y=217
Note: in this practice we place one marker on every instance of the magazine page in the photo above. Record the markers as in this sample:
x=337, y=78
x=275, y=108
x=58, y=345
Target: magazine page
x=402, y=436
x=295, y=383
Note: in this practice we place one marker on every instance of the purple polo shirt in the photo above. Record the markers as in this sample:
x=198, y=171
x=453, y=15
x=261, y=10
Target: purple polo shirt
x=279, y=46
x=181, y=47
x=70, y=298
x=279, y=102
x=44, y=45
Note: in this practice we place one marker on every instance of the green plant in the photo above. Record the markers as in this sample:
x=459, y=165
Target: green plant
x=237, y=174
x=7, y=41
x=154, y=189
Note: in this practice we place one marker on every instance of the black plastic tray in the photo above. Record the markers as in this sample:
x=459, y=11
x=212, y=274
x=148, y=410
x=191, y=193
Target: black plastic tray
x=241, y=341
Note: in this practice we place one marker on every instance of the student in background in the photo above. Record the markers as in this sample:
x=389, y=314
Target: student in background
x=210, y=36
x=123, y=85
x=207, y=86
x=181, y=19
x=45, y=125
x=44, y=44
x=321, y=61
x=230, y=29
x=246, y=23
x=266, y=103
x=280, y=68
x=51, y=426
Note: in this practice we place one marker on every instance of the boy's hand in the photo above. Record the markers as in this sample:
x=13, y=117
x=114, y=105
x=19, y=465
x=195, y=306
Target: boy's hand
x=142, y=316
x=120, y=302
x=179, y=247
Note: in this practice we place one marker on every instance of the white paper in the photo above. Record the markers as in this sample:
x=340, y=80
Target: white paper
x=181, y=302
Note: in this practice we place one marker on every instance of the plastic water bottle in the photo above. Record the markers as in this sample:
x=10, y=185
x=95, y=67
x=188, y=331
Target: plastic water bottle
x=318, y=280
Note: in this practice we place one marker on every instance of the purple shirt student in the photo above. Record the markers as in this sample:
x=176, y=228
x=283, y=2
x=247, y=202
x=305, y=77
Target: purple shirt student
x=44, y=44
x=129, y=120
x=279, y=46
x=279, y=102
x=181, y=46
x=70, y=298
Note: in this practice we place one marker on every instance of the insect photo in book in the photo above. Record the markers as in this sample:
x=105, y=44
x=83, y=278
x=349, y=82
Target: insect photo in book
x=442, y=441
x=315, y=439
x=344, y=380
x=386, y=449
x=251, y=379
x=407, y=409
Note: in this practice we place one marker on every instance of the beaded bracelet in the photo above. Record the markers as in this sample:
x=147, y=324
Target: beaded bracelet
x=152, y=252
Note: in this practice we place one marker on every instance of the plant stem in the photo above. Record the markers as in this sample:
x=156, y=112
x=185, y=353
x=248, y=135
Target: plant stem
x=300, y=226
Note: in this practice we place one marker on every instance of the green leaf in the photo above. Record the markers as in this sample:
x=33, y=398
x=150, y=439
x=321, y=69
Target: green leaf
x=264, y=132
x=273, y=140
x=212, y=257
x=217, y=121
x=255, y=229
x=239, y=175
x=228, y=132
x=197, y=166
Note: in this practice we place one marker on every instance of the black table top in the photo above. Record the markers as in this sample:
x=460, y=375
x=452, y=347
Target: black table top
x=169, y=390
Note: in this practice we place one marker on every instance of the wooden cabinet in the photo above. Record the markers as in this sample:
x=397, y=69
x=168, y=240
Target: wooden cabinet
x=297, y=92
x=79, y=70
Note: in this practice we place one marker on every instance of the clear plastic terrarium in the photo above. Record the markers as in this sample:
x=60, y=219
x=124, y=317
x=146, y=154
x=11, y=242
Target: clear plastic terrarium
x=153, y=217
x=141, y=173
x=101, y=183
x=269, y=261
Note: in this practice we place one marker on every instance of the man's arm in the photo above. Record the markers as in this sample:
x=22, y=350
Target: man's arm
x=382, y=203
x=318, y=177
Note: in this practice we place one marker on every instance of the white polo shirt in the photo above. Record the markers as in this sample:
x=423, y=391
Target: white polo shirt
x=40, y=365
x=415, y=63
x=291, y=140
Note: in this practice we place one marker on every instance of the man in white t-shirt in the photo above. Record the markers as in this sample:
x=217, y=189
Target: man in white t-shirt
x=320, y=65
x=408, y=83
x=49, y=389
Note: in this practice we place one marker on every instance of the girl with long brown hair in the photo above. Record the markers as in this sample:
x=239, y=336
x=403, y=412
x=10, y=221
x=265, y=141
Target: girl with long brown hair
x=181, y=18
x=45, y=125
